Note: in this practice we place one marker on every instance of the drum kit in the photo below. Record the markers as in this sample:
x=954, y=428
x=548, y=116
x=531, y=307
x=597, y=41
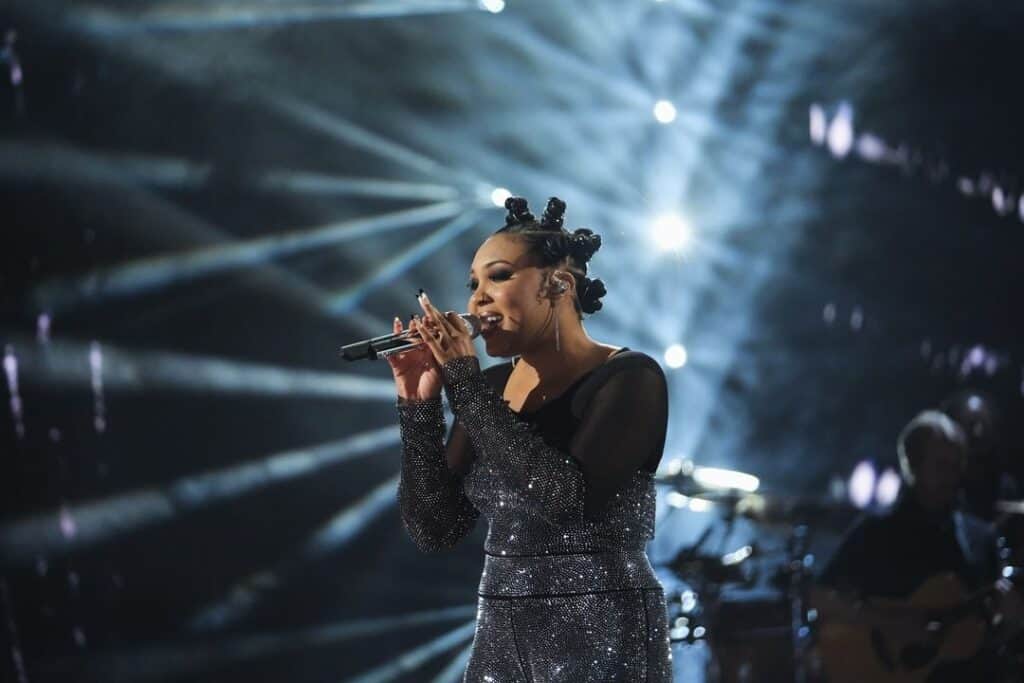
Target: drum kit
x=747, y=604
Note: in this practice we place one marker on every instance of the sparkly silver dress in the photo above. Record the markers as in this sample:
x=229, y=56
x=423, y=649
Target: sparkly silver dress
x=567, y=592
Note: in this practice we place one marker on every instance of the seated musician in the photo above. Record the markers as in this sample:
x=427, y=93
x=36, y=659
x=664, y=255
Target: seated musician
x=921, y=537
x=986, y=476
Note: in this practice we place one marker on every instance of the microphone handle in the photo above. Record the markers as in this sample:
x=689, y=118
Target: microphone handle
x=389, y=344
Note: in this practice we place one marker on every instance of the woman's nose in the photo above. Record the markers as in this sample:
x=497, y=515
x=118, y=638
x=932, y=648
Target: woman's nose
x=479, y=298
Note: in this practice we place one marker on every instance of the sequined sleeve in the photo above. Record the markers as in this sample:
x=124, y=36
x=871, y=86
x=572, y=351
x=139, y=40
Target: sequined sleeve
x=621, y=430
x=433, y=506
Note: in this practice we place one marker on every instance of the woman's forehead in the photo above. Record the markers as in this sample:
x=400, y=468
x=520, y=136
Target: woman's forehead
x=501, y=248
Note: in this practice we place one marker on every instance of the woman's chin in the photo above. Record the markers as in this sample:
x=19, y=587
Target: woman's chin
x=496, y=347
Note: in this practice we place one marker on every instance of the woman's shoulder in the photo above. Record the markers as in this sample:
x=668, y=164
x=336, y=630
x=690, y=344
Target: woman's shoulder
x=640, y=367
x=626, y=358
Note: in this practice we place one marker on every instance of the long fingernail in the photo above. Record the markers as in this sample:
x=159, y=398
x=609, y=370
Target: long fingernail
x=419, y=294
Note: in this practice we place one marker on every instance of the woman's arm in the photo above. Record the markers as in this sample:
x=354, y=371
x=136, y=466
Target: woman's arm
x=622, y=424
x=433, y=506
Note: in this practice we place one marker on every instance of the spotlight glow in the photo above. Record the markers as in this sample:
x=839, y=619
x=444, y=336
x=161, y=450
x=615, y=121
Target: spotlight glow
x=678, y=500
x=888, y=487
x=11, y=370
x=840, y=132
x=1002, y=201
x=499, y=195
x=671, y=232
x=700, y=505
x=818, y=124
x=492, y=6
x=862, y=484
x=664, y=111
x=675, y=356
x=738, y=555
x=871, y=147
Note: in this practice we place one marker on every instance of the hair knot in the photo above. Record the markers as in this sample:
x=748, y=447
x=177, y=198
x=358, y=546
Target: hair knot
x=518, y=211
x=552, y=218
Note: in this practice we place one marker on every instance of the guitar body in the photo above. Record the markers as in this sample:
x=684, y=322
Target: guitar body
x=887, y=642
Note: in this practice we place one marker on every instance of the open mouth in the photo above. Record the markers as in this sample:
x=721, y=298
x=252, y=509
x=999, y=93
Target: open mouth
x=490, y=322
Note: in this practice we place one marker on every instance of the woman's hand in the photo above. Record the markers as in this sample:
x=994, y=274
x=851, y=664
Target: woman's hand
x=445, y=333
x=417, y=374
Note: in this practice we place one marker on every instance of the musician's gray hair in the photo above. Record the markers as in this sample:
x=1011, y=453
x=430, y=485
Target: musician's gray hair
x=919, y=431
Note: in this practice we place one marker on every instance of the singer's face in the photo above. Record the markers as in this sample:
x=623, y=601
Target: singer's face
x=504, y=287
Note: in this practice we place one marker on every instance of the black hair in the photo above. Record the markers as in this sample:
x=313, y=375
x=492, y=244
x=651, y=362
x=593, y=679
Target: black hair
x=550, y=244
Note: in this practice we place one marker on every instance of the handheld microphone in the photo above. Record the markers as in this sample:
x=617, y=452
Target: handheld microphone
x=388, y=344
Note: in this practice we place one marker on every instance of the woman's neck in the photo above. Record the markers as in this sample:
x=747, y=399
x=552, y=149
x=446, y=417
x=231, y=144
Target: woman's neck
x=577, y=353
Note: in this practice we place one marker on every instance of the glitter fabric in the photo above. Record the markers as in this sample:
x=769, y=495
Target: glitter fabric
x=434, y=508
x=567, y=592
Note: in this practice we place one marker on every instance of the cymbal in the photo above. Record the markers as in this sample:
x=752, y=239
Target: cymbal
x=685, y=474
x=771, y=509
x=703, y=501
x=703, y=489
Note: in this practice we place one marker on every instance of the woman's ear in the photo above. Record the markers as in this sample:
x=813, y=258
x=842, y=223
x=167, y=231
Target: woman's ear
x=558, y=284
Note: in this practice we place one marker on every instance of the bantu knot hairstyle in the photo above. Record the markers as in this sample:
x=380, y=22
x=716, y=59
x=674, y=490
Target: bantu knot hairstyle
x=590, y=293
x=518, y=211
x=551, y=245
x=552, y=218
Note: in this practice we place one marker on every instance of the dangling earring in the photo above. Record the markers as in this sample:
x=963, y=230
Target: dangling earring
x=560, y=288
x=558, y=343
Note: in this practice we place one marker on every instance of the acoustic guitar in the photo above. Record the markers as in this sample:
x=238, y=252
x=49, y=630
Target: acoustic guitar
x=899, y=641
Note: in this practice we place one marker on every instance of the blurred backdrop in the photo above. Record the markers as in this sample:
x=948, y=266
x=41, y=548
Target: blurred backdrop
x=811, y=213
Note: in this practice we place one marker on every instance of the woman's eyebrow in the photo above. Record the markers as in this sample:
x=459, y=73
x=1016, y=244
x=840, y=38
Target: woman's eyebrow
x=491, y=263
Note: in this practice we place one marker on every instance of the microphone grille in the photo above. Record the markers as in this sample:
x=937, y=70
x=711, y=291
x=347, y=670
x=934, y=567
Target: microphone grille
x=473, y=324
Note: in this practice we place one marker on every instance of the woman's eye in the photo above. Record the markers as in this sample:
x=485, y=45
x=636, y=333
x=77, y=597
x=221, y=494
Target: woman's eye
x=499, y=275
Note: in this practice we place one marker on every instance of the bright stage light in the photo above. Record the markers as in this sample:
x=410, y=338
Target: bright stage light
x=840, y=132
x=862, y=484
x=493, y=6
x=888, y=487
x=675, y=356
x=1002, y=201
x=665, y=111
x=700, y=505
x=715, y=478
x=872, y=148
x=499, y=195
x=671, y=232
x=683, y=502
x=818, y=124
x=738, y=555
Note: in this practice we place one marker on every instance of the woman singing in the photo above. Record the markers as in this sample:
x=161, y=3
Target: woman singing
x=556, y=448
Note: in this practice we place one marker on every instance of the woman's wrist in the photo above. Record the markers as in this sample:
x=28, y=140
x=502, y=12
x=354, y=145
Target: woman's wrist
x=416, y=400
x=457, y=370
x=411, y=393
